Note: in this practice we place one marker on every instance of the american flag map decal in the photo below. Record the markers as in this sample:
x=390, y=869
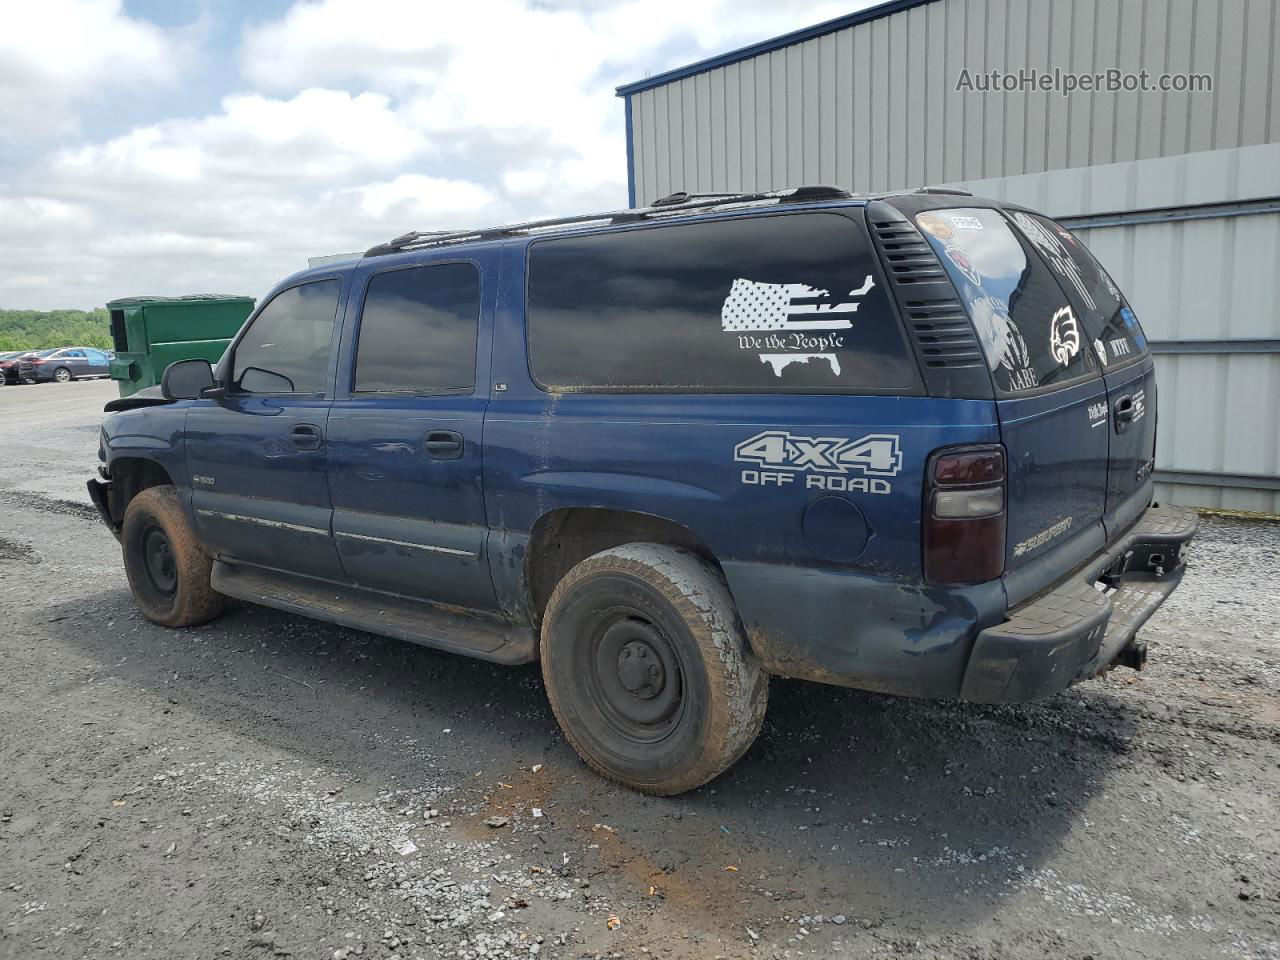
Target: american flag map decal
x=771, y=307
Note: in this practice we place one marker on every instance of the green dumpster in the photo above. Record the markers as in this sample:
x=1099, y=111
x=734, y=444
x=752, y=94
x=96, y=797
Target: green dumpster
x=152, y=332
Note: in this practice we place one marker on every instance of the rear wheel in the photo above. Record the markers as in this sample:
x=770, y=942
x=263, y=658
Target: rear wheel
x=648, y=670
x=167, y=566
x=62, y=375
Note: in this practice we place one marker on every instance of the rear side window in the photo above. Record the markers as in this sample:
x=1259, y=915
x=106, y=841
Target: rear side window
x=418, y=331
x=1109, y=320
x=1029, y=331
x=286, y=349
x=786, y=303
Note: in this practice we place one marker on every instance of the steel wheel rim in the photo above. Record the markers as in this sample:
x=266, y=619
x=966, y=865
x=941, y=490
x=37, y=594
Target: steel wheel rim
x=635, y=679
x=159, y=562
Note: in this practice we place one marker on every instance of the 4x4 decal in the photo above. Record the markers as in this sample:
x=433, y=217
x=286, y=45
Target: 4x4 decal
x=827, y=461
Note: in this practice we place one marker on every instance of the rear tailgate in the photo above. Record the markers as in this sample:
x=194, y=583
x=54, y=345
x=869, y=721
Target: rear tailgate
x=1051, y=397
x=1129, y=371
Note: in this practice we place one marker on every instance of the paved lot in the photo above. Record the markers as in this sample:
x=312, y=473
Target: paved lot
x=269, y=786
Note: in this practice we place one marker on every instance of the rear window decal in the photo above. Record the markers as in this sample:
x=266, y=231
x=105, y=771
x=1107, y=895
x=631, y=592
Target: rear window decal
x=1002, y=342
x=1064, y=336
x=964, y=263
x=965, y=223
x=1050, y=246
x=934, y=224
x=780, y=361
x=785, y=312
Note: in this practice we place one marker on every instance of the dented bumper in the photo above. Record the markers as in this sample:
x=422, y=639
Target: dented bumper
x=1086, y=623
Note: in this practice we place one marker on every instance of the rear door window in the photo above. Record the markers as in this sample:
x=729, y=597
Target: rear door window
x=789, y=303
x=418, y=331
x=1107, y=317
x=1030, y=334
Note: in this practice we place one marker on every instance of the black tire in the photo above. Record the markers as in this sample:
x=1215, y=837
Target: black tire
x=168, y=568
x=648, y=668
x=62, y=375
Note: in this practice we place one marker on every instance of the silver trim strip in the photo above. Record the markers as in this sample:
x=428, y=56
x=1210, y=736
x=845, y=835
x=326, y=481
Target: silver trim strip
x=264, y=522
x=411, y=546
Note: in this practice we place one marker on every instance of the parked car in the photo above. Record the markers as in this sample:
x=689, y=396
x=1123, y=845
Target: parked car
x=12, y=368
x=8, y=360
x=64, y=365
x=902, y=443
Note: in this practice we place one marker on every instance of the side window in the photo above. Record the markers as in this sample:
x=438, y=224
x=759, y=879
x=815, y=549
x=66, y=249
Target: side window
x=1030, y=333
x=418, y=331
x=76, y=354
x=286, y=350
x=783, y=303
x=1110, y=322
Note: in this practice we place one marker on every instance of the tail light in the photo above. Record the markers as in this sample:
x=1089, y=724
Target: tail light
x=964, y=515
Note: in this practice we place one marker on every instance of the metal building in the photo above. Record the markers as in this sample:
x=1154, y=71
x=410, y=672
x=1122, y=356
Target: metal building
x=1177, y=192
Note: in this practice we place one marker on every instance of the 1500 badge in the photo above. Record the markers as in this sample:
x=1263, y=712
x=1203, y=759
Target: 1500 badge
x=826, y=462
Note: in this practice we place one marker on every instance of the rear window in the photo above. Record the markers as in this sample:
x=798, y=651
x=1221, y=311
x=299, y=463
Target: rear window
x=1030, y=333
x=1110, y=322
x=788, y=303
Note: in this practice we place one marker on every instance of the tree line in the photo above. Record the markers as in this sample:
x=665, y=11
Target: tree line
x=44, y=329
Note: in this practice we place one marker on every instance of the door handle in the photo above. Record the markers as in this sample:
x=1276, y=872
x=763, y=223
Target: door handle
x=306, y=436
x=443, y=444
x=1125, y=410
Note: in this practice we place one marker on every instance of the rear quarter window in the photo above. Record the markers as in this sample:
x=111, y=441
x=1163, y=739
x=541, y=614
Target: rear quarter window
x=1029, y=331
x=1109, y=320
x=788, y=303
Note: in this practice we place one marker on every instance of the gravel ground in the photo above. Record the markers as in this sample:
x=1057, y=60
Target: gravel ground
x=270, y=786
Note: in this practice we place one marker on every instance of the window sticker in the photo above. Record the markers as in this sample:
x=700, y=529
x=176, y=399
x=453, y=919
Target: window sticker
x=1050, y=245
x=966, y=223
x=1002, y=342
x=964, y=263
x=775, y=321
x=1064, y=336
x=934, y=224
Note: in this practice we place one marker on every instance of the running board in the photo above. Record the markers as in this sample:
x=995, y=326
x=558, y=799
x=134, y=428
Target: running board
x=473, y=635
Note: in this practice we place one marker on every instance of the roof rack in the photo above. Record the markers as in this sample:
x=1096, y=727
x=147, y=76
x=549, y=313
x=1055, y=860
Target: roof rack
x=676, y=203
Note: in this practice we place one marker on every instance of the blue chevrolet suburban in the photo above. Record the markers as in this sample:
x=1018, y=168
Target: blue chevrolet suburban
x=895, y=442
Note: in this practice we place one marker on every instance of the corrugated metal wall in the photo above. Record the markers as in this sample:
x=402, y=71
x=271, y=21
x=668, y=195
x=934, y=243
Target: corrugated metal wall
x=1213, y=278
x=874, y=106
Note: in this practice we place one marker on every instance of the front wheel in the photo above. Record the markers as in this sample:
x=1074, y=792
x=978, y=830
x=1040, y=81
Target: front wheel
x=62, y=375
x=648, y=669
x=168, y=568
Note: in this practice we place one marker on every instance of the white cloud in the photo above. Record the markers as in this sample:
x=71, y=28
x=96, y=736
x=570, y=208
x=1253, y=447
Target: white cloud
x=353, y=121
x=54, y=54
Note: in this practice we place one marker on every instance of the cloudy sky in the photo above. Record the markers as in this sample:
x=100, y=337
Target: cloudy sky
x=180, y=146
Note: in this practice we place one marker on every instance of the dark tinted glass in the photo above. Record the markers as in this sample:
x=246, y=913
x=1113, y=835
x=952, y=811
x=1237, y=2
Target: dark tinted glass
x=1110, y=322
x=418, y=330
x=778, y=303
x=1029, y=331
x=286, y=350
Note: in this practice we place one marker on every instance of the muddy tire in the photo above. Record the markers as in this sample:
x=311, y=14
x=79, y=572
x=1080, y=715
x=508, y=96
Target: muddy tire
x=648, y=668
x=167, y=566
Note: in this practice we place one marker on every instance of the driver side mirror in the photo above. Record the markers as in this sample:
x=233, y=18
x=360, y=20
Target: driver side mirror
x=187, y=379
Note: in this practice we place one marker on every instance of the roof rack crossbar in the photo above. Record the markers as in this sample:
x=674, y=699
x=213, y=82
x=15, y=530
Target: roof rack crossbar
x=676, y=203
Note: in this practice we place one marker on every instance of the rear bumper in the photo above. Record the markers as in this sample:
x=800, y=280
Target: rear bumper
x=1076, y=630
